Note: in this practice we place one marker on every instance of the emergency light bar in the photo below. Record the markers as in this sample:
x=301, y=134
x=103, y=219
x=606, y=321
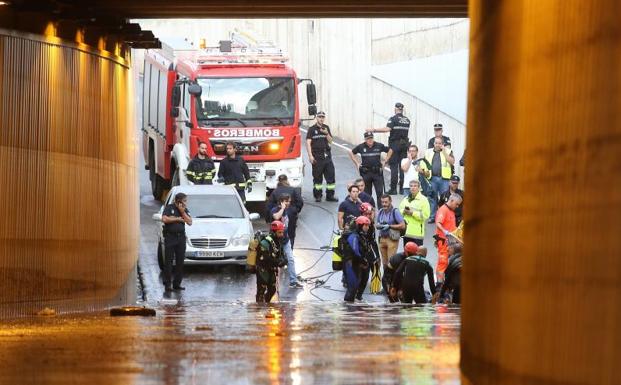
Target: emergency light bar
x=242, y=49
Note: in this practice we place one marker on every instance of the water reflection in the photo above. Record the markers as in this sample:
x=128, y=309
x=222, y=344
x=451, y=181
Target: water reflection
x=244, y=343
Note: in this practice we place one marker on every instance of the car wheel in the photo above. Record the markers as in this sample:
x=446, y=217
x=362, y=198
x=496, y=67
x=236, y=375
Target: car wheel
x=160, y=256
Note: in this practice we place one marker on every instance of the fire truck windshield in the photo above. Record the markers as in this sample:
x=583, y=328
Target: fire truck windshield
x=240, y=102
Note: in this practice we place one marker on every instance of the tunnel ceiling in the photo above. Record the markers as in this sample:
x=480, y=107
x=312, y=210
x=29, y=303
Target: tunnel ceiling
x=110, y=18
x=74, y=9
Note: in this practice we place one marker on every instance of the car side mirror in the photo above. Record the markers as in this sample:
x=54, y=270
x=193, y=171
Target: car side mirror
x=157, y=217
x=254, y=216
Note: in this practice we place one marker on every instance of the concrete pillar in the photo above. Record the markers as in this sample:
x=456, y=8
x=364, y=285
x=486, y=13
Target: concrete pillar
x=68, y=181
x=543, y=262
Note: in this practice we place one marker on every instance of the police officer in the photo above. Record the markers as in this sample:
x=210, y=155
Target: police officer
x=270, y=257
x=398, y=126
x=372, y=165
x=175, y=217
x=318, y=139
x=234, y=170
x=409, y=278
x=201, y=168
x=437, y=133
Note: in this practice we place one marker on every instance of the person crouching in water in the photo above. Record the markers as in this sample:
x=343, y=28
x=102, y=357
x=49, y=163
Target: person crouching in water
x=394, y=262
x=410, y=278
x=356, y=262
x=270, y=256
x=452, y=280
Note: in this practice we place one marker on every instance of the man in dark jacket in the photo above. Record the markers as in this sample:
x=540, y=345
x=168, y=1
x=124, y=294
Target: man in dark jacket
x=283, y=188
x=201, y=168
x=234, y=171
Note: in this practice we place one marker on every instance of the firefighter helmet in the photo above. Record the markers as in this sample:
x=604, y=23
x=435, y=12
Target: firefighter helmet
x=362, y=220
x=410, y=248
x=277, y=226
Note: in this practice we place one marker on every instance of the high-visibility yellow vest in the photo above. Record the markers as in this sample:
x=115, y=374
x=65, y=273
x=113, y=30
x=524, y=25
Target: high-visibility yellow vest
x=420, y=213
x=446, y=166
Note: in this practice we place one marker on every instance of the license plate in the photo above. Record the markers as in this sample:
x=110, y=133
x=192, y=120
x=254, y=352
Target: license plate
x=210, y=254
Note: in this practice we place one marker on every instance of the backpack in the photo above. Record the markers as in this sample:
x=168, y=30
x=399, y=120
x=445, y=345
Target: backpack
x=394, y=216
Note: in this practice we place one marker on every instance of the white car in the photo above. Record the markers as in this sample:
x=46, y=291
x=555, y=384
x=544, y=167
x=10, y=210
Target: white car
x=221, y=226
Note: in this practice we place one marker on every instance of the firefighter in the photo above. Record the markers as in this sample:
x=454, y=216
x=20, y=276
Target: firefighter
x=356, y=258
x=175, y=216
x=394, y=262
x=372, y=165
x=410, y=277
x=399, y=127
x=234, y=171
x=201, y=168
x=374, y=259
x=270, y=257
x=318, y=139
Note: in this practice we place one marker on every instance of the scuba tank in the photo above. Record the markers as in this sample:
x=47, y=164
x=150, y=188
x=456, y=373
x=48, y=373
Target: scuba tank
x=337, y=259
x=251, y=256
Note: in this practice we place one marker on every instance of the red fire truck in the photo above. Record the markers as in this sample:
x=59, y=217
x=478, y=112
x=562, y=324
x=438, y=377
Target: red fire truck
x=241, y=91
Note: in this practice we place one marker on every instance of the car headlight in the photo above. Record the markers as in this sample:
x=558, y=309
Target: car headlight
x=241, y=240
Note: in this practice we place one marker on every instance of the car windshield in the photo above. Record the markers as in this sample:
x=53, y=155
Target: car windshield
x=239, y=102
x=214, y=206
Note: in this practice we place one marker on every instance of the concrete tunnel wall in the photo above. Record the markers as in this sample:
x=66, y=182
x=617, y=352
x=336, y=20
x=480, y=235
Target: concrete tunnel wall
x=542, y=267
x=68, y=181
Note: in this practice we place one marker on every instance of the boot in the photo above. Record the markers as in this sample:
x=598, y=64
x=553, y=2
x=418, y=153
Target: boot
x=330, y=196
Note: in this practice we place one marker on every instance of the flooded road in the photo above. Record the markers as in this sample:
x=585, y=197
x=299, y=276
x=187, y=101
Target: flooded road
x=215, y=333
x=238, y=343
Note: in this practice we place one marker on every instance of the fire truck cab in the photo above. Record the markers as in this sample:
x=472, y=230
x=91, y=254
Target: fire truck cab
x=240, y=92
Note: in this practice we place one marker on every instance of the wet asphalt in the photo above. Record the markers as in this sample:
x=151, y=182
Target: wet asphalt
x=214, y=333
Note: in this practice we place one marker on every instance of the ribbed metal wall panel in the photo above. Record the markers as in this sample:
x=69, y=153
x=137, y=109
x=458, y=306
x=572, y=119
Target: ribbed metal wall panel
x=69, y=213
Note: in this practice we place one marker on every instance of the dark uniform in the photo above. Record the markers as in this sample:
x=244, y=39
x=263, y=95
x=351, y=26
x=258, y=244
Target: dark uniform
x=270, y=257
x=200, y=171
x=452, y=278
x=398, y=141
x=234, y=171
x=294, y=208
x=366, y=198
x=323, y=167
x=371, y=168
x=389, y=272
x=410, y=276
x=174, y=247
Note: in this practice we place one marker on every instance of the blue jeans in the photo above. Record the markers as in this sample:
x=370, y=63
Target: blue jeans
x=290, y=263
x=438, y=186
